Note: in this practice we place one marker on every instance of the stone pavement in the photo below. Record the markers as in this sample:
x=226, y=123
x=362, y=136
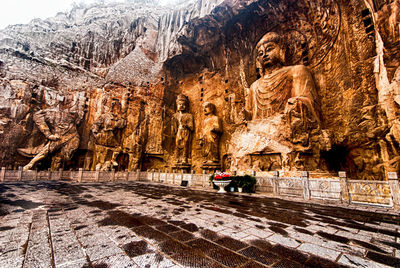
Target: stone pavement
x=63, y=224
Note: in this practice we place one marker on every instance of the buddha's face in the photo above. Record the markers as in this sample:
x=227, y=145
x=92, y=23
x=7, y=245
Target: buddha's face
x=269, y=54
x=181, y=106
x=208, y=110
x=116, y=109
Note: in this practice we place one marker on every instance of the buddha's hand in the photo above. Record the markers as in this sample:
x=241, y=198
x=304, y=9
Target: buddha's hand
x=53, y=137
x=294, y=105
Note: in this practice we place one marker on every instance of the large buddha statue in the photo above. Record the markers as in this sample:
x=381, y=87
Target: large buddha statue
x=280, y=108
x=280, y=89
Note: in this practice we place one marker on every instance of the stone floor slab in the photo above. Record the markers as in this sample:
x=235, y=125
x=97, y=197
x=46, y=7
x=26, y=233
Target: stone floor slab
x=319, y=251
x=138, y=224
x=359, y=262
x=286, y=241
x=115, y=261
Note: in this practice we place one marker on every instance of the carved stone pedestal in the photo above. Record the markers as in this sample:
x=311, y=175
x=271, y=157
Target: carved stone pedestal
x=182, y=167
x=211, y=167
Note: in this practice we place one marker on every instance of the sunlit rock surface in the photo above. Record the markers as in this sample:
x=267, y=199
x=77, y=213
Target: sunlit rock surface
x=142, y=56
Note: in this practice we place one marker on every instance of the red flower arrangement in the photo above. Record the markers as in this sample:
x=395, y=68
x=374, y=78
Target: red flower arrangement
x=222, y=176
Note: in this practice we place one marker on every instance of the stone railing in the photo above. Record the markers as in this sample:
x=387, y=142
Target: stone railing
x=333, y=188
x=192, y=179
x=339, y=189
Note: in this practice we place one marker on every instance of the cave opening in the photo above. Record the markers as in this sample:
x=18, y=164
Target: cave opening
x=123, y=162
x=335, y=158
x=45, y=164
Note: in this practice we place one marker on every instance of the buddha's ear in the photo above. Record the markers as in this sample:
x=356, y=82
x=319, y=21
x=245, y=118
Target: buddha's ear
x=259, y=67
x=282, y=55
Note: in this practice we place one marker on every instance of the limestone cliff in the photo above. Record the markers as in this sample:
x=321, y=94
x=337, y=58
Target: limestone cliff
x=338, y=40
x=127, y=62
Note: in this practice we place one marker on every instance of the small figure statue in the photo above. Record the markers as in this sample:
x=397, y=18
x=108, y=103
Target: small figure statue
x=210, y=135
x=107, y=140
x=135, y=135
x=59, y=127
x=184, y=126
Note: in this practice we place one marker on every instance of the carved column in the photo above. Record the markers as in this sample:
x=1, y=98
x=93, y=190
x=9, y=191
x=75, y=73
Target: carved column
x=127, y=174
x=191, y=177
x=181, y=177
x=2, y=174
x=394, y=184
x=97, y=175
x=138, y=174
x=275, y=183
x=19, y=174
x=113, y=174
x=80, y=175
x=306, y=185
x=71, y=174
x=344, y=188
x=204, y=179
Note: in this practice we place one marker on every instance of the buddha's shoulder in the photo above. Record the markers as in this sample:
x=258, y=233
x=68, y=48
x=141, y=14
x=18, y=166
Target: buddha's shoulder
x=299, y=69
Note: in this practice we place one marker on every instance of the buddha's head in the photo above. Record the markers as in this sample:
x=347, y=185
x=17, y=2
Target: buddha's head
x=270, y=51
x=115, y=107
x=182, y=103
x=208, y=108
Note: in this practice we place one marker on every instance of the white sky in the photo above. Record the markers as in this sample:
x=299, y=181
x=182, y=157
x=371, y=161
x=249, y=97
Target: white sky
x=23, y=11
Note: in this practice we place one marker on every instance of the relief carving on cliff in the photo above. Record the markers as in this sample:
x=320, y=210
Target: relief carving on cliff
x=387, y=75
x=135, y=134
x=59, y=126
x=106, y=130
x=15, y=114
x=281, y=111
x=183, y=127
x=327, y=47
x=209, y=137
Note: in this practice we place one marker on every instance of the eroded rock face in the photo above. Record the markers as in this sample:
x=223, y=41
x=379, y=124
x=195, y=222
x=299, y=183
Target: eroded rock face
x=146, y=56
x=337, y=41
x=107, y=51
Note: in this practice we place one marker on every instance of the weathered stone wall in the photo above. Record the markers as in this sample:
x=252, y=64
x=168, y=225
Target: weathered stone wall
x=337, y=40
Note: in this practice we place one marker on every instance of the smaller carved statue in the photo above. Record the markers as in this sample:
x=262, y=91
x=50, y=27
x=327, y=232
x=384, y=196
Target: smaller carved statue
x=59, y=127
x=107, y=141
x=184, y=126
x=210, y=135
x=135, y=135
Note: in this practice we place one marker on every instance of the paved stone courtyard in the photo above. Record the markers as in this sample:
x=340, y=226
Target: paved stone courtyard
x=63, y=224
